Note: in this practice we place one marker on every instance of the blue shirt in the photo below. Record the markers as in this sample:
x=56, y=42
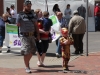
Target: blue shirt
x=47, y=23
x=63, y=22
x=2, y=23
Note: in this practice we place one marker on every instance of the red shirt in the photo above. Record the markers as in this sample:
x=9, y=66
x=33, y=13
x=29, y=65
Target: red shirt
x=96, y=11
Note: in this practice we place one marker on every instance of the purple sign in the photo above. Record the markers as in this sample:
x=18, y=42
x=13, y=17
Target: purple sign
x=17, y=43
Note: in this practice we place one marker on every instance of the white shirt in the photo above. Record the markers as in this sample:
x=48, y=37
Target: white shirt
x=13, y=13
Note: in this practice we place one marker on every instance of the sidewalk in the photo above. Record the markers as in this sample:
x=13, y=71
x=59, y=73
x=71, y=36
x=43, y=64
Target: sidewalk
x=78, y=65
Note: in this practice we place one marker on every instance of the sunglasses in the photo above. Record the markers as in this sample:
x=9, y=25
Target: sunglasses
x=27, y=2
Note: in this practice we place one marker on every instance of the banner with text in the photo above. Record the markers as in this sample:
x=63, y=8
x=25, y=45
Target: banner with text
x=11, y=36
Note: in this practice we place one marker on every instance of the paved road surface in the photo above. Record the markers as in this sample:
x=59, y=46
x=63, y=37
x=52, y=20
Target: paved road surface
x=93, y=45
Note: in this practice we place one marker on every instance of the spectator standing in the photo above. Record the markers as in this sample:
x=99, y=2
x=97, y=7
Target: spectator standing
x=9, y=18
x=13, y=13
x=77, y=28
x=82, y=11
x=56, y=8
x=63, y=23
x=67, y=13
x=27, y=27
x=8, y=12
x=97, y=17
x=3, y=20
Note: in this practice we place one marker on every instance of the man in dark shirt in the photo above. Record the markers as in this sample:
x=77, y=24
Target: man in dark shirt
x=27, y=27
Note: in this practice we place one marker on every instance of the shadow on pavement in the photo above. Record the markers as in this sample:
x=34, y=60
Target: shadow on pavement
x=53, y=66
x=70, y=71
x=78, y=71
x=50, y=54
x=41, y=70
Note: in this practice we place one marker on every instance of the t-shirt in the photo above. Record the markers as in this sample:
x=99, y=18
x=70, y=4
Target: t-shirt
x=2, y=23
x=26, y=22
x=96, y=11
x=2, y=26
x=13, y=13
x=47, y=23
x=67, y=13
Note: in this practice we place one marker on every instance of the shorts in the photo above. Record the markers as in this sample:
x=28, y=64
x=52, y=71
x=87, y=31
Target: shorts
x=1, y=40
x=28, y=45
x=42, y=47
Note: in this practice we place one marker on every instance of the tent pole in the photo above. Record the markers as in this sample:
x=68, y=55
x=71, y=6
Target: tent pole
x=46, y=5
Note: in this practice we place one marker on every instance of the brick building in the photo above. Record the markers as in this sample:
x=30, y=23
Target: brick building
x=18, y=2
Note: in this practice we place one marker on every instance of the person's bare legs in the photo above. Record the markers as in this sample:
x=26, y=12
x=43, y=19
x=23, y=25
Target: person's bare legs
x=27, y=59
x=39, y=59
x=38, y=56
x=43, y=57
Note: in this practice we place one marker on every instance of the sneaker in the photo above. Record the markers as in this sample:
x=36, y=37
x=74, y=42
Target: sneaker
x=28, y=70
x=8, y=51
x=0, y=51
x=42, y=65
x=39, y=64
x=57, y=55
x=65, y=71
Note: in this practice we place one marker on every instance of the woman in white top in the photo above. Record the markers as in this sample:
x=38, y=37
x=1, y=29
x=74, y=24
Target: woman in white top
x=67, y=13
x=13, y=13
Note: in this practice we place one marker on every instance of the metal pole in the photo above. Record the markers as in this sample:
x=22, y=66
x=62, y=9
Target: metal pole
x=87, y=28
x=46, y=5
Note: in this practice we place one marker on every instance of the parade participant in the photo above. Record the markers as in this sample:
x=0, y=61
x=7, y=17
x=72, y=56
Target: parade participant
x=65, y=42
x=44, y=29
x=27, y=24
x=38, y=43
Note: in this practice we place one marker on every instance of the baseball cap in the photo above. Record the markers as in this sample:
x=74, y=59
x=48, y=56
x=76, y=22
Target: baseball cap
x=26, y=2
x=75, y=12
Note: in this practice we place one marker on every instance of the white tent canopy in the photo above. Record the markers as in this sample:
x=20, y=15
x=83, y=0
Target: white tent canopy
x=40, y=4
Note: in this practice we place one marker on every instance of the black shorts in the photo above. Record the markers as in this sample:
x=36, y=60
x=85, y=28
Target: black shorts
x=42, y=46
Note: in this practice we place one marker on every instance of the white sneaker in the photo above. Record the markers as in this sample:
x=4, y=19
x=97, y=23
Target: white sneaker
x=27, y=70
x=57, y=55
x=39, y=63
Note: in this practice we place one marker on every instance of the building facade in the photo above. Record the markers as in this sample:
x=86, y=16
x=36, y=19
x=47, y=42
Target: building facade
x=3, y=4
